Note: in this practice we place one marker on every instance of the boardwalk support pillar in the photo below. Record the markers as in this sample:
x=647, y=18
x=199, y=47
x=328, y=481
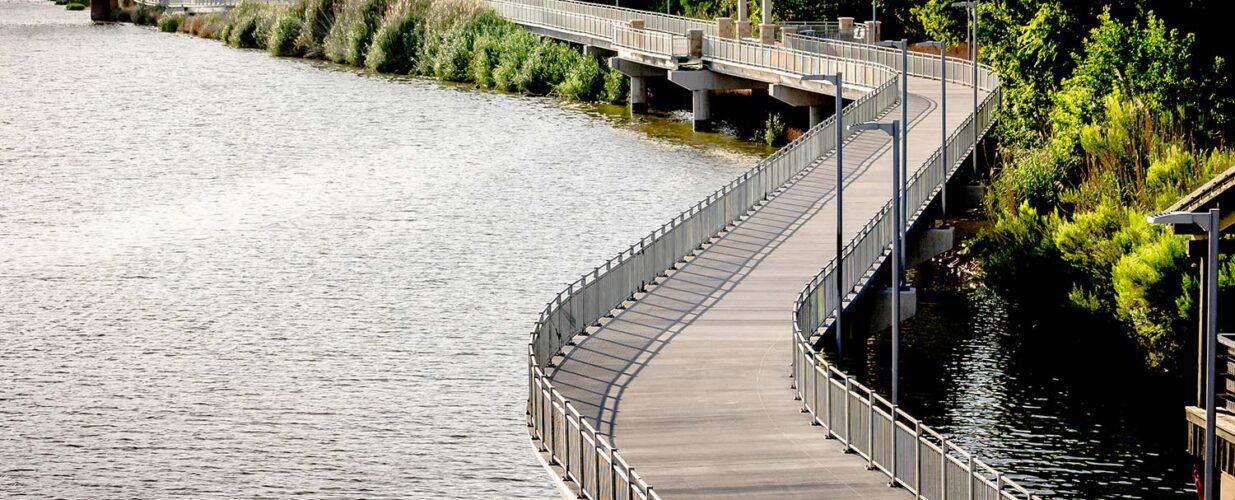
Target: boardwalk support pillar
x=638, y=73
x=101, y=10
x=700, y=83
x=818, y=103
x=928, y=244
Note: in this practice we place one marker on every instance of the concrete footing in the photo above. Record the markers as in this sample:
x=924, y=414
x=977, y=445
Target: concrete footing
x=971, y=195
x=880, y=318
x=928, y=244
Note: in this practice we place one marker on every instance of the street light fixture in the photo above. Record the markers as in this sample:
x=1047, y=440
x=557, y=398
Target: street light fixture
x=837, y=80
x=893, y=129
x=1211, y=223
x=903, y=44
x=943, y=126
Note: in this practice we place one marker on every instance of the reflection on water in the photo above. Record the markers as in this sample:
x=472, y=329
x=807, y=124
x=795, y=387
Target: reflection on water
x=1065, y=410
x=224, y=274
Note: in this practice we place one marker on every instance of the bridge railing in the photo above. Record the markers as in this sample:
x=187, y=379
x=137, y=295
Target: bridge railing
x=921, y=64
x=531, y=15
x=799, y=62
x=892, y=441
x=652, y=20
x=650, y=42
x=571, y=441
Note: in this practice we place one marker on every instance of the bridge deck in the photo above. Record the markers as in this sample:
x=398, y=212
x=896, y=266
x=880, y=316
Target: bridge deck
x=691, y=381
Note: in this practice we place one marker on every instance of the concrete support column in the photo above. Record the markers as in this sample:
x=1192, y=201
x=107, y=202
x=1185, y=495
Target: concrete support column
x=701, y=107
x=743, y=17
x=817, y=114
x=638, y=94
x=767, y=33
x=725, y=28
x=100, y=11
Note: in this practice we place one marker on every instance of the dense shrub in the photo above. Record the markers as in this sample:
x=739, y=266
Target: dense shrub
x=349, y=37
x=319, y=16
x=171, y=23
x=584, y=81
x=75, y=6
x=398, y=38
x=284, y=33
x=616, y=87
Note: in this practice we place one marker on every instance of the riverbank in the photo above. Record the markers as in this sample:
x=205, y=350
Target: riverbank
x=459, y=41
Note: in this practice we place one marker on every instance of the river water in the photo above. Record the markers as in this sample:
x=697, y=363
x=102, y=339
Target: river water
x=224, y=274
x=1067, y=410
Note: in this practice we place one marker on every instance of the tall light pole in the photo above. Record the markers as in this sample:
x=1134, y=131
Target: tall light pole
x=903, y=44
x=1211, y=223
x=893, y=129
x=971, y=25
x=943, y=126
x=837, y=80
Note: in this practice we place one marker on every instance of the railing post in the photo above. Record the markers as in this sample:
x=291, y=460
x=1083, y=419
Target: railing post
x=893, y=454
x=971, y=475
x=870, y=430
x=848, y=428
x=943, y=472
x=917, y=459
x=827, y=397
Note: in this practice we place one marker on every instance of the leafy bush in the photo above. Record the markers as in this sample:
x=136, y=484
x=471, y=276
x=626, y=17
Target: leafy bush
x=75, y=6
x=774, y=130
x=319, y=16
x=171, y=23
x=616, y=87
x=584, y=81
x=285, y=32
x=349, y=37
x=398, y=38
x=1148, y=284
x=545, y=66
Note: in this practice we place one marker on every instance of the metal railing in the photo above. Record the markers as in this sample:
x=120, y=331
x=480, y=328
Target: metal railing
x=530, y=15
x=909, y=452
x=653, y=21
x=793, y=61
x=921, y=64
x=570, y=441
x=650, y=42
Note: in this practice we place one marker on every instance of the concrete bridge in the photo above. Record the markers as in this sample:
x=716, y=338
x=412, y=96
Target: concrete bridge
x=677, y=349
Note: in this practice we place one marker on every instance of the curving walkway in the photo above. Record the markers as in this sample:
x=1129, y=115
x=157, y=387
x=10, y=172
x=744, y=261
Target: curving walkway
x=691, y=381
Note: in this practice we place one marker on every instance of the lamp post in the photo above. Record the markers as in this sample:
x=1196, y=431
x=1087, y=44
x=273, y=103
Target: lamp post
x=943, y=126
x=893, y=129
x=837, y=80
x=971, y=26
x=1209, y=222
x=903, y=44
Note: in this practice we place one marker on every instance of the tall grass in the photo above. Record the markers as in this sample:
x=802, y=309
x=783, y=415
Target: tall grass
x=453, y=40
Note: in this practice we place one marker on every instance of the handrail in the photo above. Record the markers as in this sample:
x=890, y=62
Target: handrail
x=593, y=296
x=911, y=453
x=921, y=64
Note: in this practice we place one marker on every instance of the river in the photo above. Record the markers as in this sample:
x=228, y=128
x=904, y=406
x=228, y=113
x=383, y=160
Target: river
x=1067, y=410
x=225, y=274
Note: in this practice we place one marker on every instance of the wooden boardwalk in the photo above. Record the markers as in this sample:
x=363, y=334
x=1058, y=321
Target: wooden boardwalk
x=691, y=381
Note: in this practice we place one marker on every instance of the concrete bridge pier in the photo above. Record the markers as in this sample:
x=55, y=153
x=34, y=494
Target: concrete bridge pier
x=700, y=83
x=820, y=105
x=638, y=73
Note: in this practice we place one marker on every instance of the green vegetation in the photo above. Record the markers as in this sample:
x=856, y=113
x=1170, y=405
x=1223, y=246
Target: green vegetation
x=171, y=24
x=451, y=40
x=1109, y=115
x=75, y=6
x=774, y=130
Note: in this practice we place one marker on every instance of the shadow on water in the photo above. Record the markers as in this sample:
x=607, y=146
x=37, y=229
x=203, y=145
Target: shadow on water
x=1067, y=409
